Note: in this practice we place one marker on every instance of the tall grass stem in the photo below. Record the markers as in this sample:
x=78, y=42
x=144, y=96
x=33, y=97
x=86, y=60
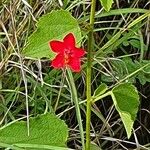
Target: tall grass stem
x=74, y=97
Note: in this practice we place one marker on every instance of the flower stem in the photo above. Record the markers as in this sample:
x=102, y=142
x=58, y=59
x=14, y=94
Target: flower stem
x=89, y=73
x=74, y=97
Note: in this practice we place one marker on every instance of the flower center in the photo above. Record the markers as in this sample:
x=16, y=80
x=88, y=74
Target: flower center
x=66, y=58
x=67, y=54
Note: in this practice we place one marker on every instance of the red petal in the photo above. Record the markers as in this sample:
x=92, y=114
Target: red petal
x=57, y=46
x=69, y=40
x=58, y=61
x=75, y=64
x=79, y=52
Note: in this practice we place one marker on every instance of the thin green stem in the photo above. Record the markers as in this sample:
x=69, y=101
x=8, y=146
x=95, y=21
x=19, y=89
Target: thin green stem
x=101, y=96
x=89, y=73
x=76, y=102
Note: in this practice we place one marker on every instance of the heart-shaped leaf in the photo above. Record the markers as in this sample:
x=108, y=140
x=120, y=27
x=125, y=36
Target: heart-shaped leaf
x=106, y=4
x=52, y=26
x=126, y=101
x=44, y=130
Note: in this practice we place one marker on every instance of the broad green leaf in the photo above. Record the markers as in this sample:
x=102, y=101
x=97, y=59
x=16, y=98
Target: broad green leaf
x=101, y=89
x=126, y=101
x=106, y=4
x=52, y=26
x=44, y=130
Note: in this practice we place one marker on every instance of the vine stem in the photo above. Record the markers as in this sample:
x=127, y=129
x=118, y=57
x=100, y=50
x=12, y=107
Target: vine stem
x=89, y=73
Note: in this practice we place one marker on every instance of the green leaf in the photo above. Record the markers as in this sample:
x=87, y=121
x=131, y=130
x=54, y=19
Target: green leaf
x=144, y=74
x=129, y=69
x=135, y=43
x=110, y=43
x=139, y=19
x=94, y=146
x=45, y=129
x=125, y=43
x=106, y=4
x=101, y=89
x=126, y=101
x=40, y=147
x=53, y=26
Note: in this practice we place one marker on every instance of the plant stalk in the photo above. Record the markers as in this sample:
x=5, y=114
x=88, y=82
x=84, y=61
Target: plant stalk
x=89, y=73
x=74, y=97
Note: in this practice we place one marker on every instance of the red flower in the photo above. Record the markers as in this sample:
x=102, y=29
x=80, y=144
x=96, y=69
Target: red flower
x=68, y=55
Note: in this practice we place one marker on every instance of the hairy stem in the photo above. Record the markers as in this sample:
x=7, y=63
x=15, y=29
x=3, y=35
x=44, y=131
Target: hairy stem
x=89, y=73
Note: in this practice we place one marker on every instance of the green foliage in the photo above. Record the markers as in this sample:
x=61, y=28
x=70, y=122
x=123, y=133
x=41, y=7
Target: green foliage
x=139, y=19
x=106, y=4
x=54, y=25
x=135, y=43
x=100, y=90
x=93, y=146
x=121, y=31
x=44, y=130
x=126, y=101
x=125, y=67
x=65, y=3
x=122, y=37
x=116, y=41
